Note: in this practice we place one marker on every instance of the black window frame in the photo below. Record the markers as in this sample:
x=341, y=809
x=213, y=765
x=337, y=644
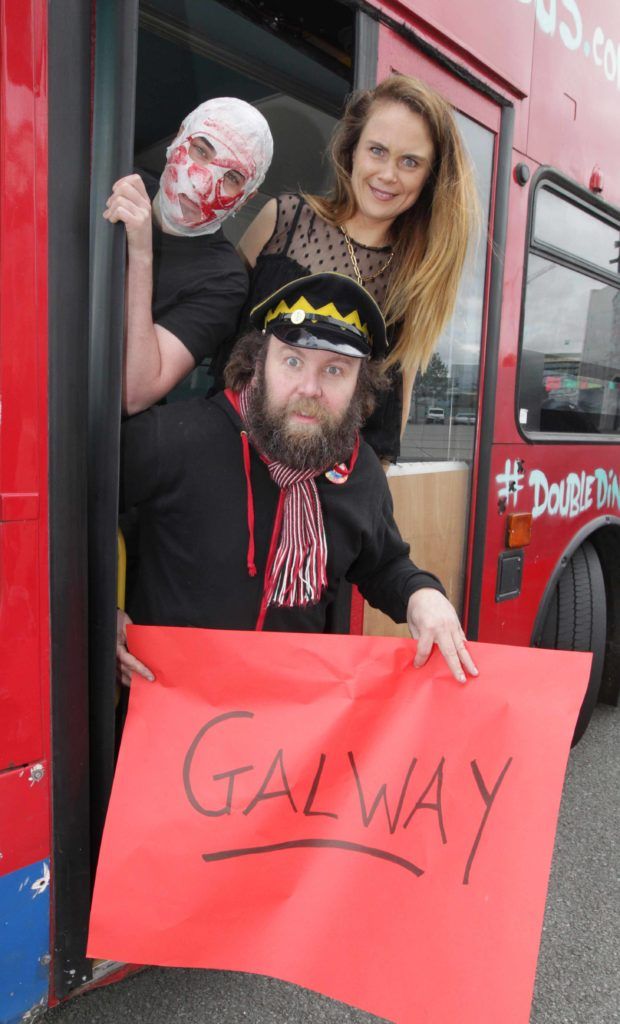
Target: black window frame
x=592, y=204
x=150, y=19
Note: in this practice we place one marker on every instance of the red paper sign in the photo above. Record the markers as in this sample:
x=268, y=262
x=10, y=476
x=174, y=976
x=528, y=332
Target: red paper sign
x=315, y=809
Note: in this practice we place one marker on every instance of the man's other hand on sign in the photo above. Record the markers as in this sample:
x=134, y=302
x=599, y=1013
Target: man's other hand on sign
x=126, y=664
x=432, y=620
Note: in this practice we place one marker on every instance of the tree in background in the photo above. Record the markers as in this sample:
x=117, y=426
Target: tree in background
x=433, y=383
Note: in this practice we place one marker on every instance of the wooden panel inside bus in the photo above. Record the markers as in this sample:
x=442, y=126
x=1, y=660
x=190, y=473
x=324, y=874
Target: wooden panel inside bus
x=431, y=508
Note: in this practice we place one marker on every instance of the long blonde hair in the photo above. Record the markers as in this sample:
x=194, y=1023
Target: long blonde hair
x=430, y=238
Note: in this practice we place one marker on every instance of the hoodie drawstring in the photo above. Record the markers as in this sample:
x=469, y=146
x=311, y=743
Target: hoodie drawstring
x=248, y=481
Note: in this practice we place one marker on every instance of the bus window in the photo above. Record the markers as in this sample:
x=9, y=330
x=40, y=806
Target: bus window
x=569, y=379
x=437, y=450
x=450, y=381
x=569, y=228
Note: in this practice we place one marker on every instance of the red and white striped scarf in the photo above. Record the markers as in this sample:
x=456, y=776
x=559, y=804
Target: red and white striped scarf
x=298, y=573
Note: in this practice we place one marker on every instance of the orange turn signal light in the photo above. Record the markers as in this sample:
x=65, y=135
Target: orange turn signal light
x=518, y=529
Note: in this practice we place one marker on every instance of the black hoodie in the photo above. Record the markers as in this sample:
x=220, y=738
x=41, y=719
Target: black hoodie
x=183, y=469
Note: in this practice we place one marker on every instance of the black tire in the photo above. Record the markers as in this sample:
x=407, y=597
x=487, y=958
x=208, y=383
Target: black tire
x=577, y=621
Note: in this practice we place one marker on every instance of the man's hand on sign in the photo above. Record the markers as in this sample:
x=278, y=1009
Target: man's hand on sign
x=130, y=204
x=125, y=662
x=432, y=620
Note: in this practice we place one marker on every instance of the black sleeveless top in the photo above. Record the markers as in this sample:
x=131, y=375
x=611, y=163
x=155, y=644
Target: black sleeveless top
x=303, y=243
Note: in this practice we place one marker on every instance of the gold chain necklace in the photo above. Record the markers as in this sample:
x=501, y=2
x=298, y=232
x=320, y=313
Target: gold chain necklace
x=356, y=267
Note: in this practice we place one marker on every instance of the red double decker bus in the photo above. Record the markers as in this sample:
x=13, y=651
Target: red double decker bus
x=508, y=485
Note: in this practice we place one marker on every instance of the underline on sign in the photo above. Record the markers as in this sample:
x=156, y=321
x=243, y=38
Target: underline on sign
x=332, y=844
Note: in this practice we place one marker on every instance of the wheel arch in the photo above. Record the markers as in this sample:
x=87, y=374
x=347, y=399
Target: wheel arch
x=604, y=534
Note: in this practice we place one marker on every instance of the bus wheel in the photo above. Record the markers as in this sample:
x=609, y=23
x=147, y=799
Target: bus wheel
x=577, y=621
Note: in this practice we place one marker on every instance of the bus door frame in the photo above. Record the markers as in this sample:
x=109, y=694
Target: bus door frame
x=399, y=48
x=85, y=383
x=85, y=436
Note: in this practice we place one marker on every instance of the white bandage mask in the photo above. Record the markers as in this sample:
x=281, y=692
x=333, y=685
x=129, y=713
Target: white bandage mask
x=218, y=159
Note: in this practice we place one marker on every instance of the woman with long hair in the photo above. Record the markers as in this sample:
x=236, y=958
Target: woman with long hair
x=398, y=221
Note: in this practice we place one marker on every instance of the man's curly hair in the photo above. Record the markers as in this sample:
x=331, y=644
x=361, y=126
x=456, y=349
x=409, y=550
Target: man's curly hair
x=251, y=351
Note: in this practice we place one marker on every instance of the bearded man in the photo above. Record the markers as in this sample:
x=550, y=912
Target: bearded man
x=186, y=284
x=256, y=503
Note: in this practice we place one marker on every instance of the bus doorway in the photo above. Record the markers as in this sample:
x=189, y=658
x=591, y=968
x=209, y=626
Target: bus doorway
x=154, y=62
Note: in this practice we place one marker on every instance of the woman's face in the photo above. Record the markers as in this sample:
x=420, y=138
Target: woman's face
x=391, y=162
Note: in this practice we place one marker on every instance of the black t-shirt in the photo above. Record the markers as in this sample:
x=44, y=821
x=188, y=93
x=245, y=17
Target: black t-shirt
x=200, y=285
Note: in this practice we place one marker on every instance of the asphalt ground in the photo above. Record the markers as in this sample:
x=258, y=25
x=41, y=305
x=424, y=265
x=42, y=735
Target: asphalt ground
x=578, y=978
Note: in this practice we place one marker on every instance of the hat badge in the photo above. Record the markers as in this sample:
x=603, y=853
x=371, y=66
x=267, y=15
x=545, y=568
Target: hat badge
x=298, y=316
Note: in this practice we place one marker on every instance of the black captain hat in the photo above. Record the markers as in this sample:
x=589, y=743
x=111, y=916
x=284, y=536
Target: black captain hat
x=326, y=311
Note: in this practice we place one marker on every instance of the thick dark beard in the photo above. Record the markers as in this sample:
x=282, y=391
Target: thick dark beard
x=315, y=450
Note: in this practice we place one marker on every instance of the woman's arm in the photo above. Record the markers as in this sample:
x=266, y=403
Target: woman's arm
x=258, y=234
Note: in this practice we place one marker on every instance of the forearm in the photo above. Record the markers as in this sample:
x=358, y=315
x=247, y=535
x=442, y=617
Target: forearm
x=145, y=360
x=390, y=588
x=143, y=363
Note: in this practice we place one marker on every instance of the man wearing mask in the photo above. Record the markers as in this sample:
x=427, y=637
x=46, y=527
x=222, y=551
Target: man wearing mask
x=186, y=285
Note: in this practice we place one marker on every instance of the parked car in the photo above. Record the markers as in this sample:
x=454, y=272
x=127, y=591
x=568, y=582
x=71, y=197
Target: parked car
x=464, y=417
x=435, y=415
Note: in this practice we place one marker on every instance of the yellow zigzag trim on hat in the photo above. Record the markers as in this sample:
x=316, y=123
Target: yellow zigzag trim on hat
x=329, y=309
